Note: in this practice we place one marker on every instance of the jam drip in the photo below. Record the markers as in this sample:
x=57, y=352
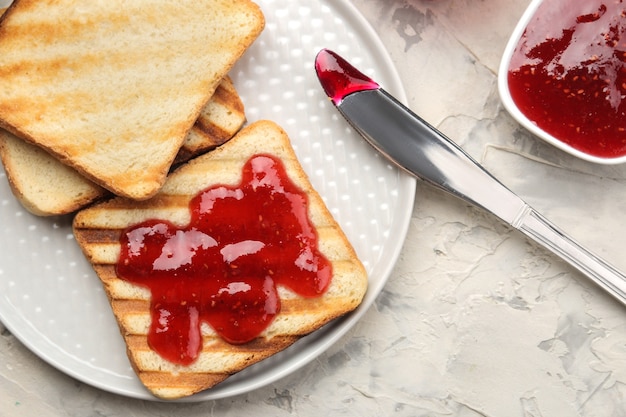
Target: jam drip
x=568, y=74
x=223, y=268
x=338, y=78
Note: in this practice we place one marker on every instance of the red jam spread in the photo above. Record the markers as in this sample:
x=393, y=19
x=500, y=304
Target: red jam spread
x=568, y=74
x=224, y=267
x=338, y=78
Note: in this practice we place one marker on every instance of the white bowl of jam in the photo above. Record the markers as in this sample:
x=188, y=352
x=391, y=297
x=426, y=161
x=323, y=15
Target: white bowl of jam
x=563, y=76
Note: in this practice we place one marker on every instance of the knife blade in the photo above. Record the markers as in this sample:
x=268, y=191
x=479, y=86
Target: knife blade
x=420, y=149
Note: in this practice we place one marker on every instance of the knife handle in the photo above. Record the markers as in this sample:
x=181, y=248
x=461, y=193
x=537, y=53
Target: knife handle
x=534, y=225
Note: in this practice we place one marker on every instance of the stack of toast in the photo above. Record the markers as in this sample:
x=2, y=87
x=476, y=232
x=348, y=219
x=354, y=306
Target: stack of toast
x=47, y=187
x=113, y=91
x=120, y=114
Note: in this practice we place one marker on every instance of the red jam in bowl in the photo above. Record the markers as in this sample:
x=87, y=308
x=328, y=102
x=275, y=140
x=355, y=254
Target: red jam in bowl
x=568, y=74
x=224, y=267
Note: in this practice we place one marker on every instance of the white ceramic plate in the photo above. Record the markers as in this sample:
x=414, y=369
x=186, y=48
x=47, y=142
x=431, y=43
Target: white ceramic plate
x=516, y=113
x=52, y=300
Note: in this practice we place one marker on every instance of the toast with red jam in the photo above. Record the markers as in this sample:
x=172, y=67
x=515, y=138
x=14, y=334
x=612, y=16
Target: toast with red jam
x=233, y=260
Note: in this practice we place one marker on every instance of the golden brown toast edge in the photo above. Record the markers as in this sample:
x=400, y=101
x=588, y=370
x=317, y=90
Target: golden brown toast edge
x=63, y=190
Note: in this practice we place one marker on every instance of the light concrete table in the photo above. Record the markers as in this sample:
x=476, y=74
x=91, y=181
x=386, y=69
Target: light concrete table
x=475, y=320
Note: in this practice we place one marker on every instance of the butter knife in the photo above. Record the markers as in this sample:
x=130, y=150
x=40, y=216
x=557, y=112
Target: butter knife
x=420, y=149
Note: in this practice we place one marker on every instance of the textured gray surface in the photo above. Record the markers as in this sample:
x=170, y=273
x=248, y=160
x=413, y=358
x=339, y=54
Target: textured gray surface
x=475, y=320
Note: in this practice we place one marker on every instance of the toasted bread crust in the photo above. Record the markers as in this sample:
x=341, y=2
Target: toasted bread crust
x=98, y=228
x=97, y=84
x=43, y=185
x=46, y=187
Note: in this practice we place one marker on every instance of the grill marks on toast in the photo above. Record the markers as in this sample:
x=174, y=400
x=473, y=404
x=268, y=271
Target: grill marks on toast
x=45, y=186
x=218, y=121
x=97, y=230
x=117, y=79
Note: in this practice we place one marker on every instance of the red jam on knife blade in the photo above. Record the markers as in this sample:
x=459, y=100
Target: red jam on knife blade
x=338, y=78
x=568, y=74
x=223, y=268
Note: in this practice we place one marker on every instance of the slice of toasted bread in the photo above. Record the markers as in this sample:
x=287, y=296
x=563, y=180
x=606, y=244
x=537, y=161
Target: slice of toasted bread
x=99, y=227
x=46, y=187
x=42, y=184
x=112, y=88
